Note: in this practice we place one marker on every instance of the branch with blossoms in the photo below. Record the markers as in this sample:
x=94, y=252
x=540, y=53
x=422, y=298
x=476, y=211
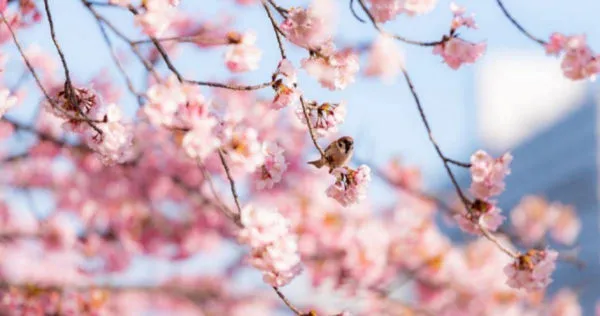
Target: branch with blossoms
x=152, y=185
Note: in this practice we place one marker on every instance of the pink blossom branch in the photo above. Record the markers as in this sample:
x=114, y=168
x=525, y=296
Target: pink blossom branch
x=438, y=150
x=230, y=86
x=278, y=34
x=398, y=37
x=69, y=90
x=518, y=26
x=183, y=39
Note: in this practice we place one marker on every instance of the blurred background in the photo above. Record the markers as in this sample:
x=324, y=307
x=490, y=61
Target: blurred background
x=513, y=99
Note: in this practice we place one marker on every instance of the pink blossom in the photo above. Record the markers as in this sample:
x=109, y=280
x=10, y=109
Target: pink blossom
x=243, y=147
x=457, y=52
x=307, y=28
x=334, y=71
x=244, y=56
x=274, y=249
x=366, y=257
x=531, y=271
x=417, y=7
x=87, y=102
x=324, y=118
x=531, y=219
x=459, y=20
x=556, y=44
x=385, y=59
x=163, y=101
x=566, y=225
x=403, y=176
x=123, y=3
x=7, y=101
x=157, y=17
x=579, y=62
x=200, y=141
x=273, y=168
x=564, y=303
x=247, y=2
x=284, y=85
x=115, y=143
x=385, y=10
x=487, y=174
x=350, y=186
x=482, y=214
x=58, y=233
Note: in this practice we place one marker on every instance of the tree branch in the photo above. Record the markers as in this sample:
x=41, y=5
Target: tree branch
x=518, y=26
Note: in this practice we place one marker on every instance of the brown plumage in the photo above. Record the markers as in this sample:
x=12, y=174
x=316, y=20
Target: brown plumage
x=337, y=154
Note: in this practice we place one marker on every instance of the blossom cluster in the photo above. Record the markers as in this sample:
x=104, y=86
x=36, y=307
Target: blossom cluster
x=274, y=249
x=385, y=10
x=533, y=217
x=454, y=50
x=579, y=61
x=532, y=271
x=351, y=185
x=324, y=118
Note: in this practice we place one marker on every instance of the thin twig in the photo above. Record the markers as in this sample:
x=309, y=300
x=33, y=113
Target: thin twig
x=398, y=37
x=207, y=177
x=281, y=10
x=458, y=163
x=230, y=86
x=354, y=12
x=287, y=302
x=236, y=198
x=310, y=129
x=117, y=62
x=275, y=29
x=518, y=26
x=149, y=67
x=433, y=141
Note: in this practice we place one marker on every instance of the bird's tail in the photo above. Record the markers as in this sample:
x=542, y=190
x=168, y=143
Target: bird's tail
x=317, y=163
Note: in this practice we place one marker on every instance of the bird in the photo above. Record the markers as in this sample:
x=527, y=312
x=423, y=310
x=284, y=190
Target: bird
x=337, y=154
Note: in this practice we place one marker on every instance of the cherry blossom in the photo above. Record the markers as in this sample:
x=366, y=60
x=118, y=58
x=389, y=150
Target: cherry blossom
x=385, y=59
x=157, y=16
x=566, y=224
x=482, y=214
x=272, y=170
x=350, y=186
x=243, y=147
x=244, y=56
x=285, y=83
x=487, y=174
x=531, y=219
x=145, y=159
x=307, y=28
x=333, y=70
x=324, y=118
x=531, y=271
x=565, y=302
x=274, y=250
x=457, y=52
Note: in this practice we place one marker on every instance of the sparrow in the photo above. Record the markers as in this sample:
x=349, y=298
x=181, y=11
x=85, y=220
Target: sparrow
x=337, y=154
